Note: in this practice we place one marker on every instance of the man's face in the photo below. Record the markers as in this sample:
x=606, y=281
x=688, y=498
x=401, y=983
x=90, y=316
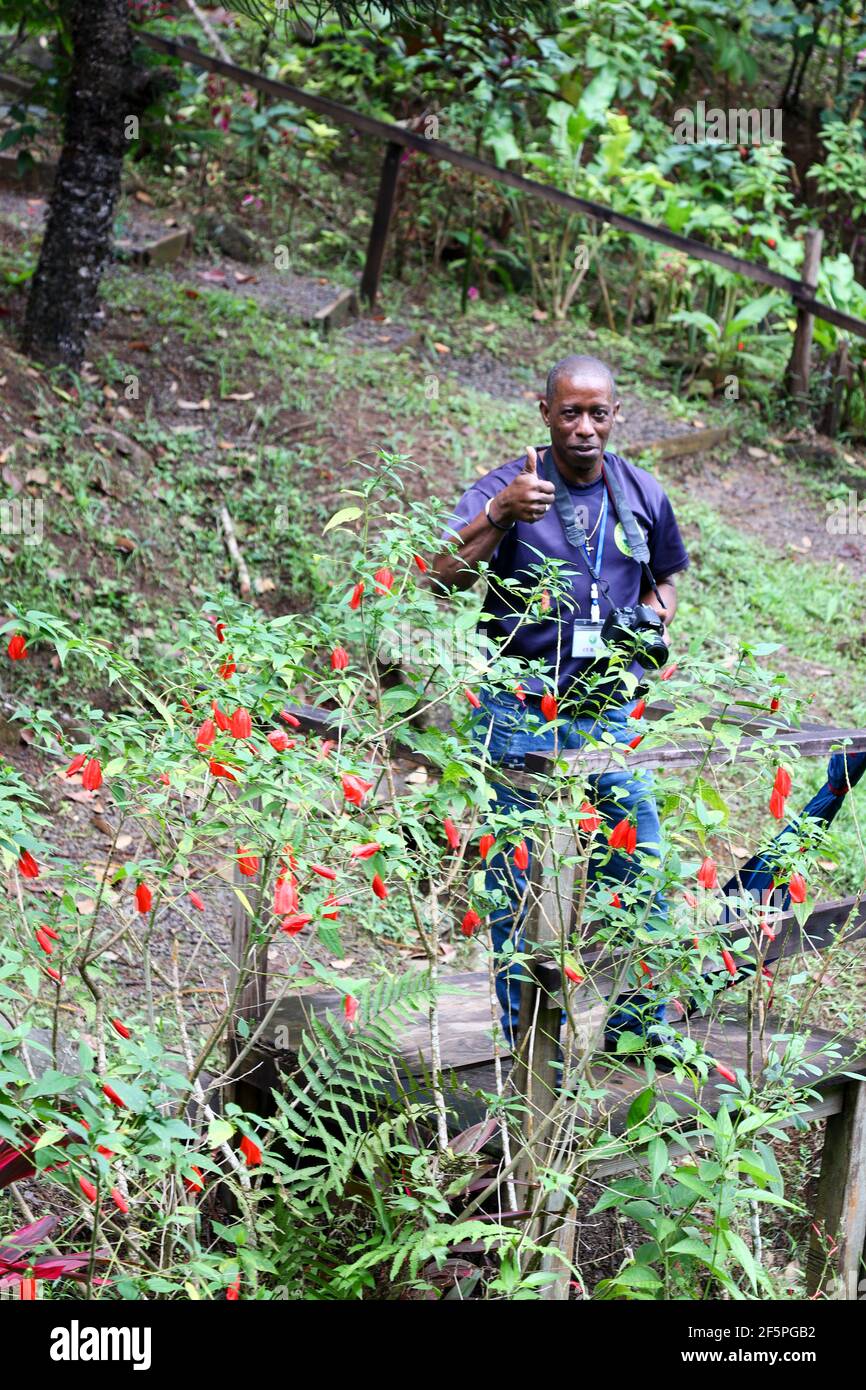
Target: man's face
x=580, y=418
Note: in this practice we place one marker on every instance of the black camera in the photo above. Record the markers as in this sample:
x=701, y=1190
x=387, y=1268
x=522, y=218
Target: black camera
x=637, y=633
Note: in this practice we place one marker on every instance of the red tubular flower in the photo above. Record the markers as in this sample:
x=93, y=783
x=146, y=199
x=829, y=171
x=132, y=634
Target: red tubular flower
x=290, y=719
x=452, y=834
x=689, y=898
x=49, y=931
x=616, y=900
x=223, y=722
x=633, y=742
x=285, y=896
x=220, y=770
x=485, y=844
x=623, y=836
x=708, y=875
x=119, y=1200
x=185, y=705
x=666, y=674
x=248, y=864
x=726, y=1073
x=91, y=780
x=774, y=704
x=190, y=1183
x=17, y=647
x=322, y=870
x=573, y=975
x=350, y=1008
x=87, y=1188
x=783, y=783
x=355, y=788
x=336, y=903
x=143, y=898
x=112, y=1095
x=251, y=1152
x=639, y=710
x=365, y=851
x=120, y=1028
x=339, y=659
x=55, y=974
x=777, y=804
x=549, y=707
x=76, y=765
x=472, y=697
x=233, y=1292
x=292, y=925
x=589, y=820
x=422, y=564
x=27, y=864
x=797, y=888
x=766, y=930
x=205, y=735
x=197, y=901
x=379, y=887
x=519, y=694
x=730, y=964
x=241, y=725
x=384, y=581
x=521, y=857
x=44, y=941
x=356, y=595
x=228, y=668
x=470, y=922
x=220, y=629
x=279, y=740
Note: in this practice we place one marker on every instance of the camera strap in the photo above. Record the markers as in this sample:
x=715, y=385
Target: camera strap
x=575, y=533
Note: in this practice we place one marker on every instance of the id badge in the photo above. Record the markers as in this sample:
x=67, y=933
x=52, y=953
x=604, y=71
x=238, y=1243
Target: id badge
x=586, y=640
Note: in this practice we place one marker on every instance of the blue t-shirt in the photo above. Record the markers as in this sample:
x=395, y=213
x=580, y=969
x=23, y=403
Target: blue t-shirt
x=547, y=634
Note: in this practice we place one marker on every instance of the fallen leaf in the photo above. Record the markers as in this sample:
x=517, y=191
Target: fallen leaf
x=755, y=453
x=194, y=405
x=85, y=906
x=138, y=345
x=242, y=278
x=213, y=277
x=441, y=347
x=418, y=777
x=123, y=842
x=36, y=475
x=192, y=294
x=126, y=544
x=343, y=964
x=240, y=396
x=540, y=315
x=142, y=197
x=264, y=586
x=11, y=480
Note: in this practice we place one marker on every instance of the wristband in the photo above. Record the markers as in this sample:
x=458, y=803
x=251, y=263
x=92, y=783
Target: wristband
x=495, y=524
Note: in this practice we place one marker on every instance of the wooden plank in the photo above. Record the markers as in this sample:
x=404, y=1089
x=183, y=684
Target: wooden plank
x=337, y=313
x=840, y=1209
x=671, y=756
x=689, y=442
x=382, y=214
x=436, y=149
x=35, y=178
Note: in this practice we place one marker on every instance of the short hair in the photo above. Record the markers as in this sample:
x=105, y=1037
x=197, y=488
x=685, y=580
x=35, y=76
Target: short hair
x=570, y=366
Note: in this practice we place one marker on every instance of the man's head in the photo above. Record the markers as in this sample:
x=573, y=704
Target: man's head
x=579, y=409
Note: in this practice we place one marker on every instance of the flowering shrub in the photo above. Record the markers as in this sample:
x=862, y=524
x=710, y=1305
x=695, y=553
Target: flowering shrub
x=120, y=1103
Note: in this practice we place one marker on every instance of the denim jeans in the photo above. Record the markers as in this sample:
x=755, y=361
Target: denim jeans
x=502, y=726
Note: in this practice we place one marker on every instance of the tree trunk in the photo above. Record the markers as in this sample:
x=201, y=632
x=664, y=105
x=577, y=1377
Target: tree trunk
x=77, y=242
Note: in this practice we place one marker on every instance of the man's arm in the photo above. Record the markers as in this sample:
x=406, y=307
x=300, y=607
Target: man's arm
x=527, y=498
x=668, y=606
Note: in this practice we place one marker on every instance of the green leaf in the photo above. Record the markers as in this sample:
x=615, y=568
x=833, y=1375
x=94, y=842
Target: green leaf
x=658, y=1157
x=49, y=1136
x=342, y=517
x=219, y=1132
x=639, y=1108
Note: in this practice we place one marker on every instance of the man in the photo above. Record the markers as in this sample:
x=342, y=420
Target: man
x=576, y=503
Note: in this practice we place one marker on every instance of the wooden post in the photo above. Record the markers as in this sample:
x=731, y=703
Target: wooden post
x=254, y=993
x=381, y=223
x=536, y=1075
x=797, y=376
x=840, y=1209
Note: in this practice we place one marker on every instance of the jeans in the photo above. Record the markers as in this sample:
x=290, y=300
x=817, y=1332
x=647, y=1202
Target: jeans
x=502, y=727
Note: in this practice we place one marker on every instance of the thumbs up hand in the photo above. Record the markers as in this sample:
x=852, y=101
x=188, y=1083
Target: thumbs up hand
x=528, y=498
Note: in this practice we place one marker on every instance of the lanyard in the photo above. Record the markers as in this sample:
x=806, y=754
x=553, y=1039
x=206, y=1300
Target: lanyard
x=595, y=569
